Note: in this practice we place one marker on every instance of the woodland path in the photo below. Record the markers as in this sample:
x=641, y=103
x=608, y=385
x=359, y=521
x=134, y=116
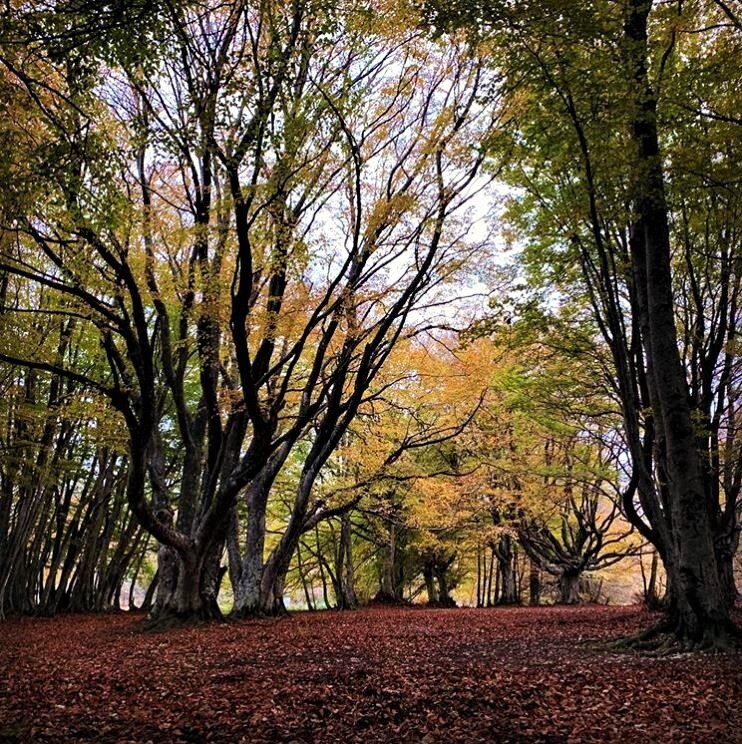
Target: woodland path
x=375, y=675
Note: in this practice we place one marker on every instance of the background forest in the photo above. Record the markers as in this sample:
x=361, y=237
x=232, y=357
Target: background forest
x=308, y=305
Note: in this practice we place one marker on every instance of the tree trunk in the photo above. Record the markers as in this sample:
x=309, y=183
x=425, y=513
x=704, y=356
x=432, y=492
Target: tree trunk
x=186, y=588
x=392, y=589
x=568, y=583
x=430, y=587
x=149, y=595
x=479, y=576
x=650, y=584
x=534, y=584
x=506, y=565
x=323, y=578
x=488, y=579
x=247, y=595
x=699, y=613
x=725, y=552
x=303, y=578
x=444, y=597
x=387, y=579
x=346, y=580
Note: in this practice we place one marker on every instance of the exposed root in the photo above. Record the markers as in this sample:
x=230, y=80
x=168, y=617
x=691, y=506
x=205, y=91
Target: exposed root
x=171, y=619
x=669, y=636
x=442, y=604
x=260, y=613
x=384, y=599
x=645, y=638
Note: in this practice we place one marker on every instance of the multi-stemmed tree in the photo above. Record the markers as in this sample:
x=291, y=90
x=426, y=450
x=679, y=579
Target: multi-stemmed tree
x=246, y=217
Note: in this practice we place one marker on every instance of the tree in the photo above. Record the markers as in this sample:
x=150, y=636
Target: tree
x=67, y=541
x=316, y=178
x=583, y=533
x=601, y=200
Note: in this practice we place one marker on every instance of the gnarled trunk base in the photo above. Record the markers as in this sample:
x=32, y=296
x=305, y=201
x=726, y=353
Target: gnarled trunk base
x=674, y=634
x=569, y=588
x=187, y=591
x=385, y=598
x=260, y=593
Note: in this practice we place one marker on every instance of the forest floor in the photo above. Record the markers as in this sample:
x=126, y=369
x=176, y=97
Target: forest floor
x=375, y=675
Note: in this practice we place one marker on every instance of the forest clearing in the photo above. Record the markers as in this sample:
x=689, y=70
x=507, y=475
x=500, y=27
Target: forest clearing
x=378, y=674
x=370, y=370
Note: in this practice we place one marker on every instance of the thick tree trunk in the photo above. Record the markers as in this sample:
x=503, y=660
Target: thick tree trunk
x=247, y=594
x=185, y=589
x=392, y=585
x=506, y=564
x=699, y=612
x=568, y=584
x=444, y=597
x=262, y=584
x=271, y=591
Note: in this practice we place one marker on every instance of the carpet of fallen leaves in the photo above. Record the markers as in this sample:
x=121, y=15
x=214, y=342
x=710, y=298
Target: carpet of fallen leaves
x=375, y=675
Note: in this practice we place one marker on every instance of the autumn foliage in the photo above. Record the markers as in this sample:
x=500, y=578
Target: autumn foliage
x=426, y=312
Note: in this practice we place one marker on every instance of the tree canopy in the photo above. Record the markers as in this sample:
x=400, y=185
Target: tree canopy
x=317, y=305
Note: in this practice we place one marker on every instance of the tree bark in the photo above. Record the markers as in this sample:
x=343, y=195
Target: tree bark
x=444, y=597
x=698, y=610
x=347, y=599
x=534, y=584
x=506, y=565
x=568, y=583
x=430, y=587
x=247, y=594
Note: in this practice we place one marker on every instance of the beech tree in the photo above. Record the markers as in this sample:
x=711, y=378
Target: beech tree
x=609, y=186
x=580, y=532
x=244, y=255
x=246, y=220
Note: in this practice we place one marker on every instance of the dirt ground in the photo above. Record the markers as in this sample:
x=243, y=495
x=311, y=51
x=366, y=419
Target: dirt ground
x=375, y=675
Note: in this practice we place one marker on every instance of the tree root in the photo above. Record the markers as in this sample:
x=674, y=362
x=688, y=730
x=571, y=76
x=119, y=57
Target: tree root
x=442, y=604
x=669, y=637
x=260, y=613
x=169, y=620
x=384, y=599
